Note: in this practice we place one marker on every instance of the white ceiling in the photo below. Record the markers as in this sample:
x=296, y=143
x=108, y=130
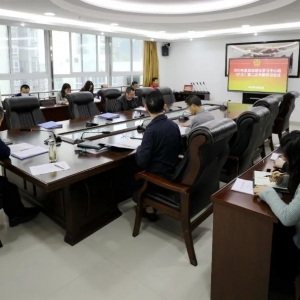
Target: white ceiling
x=136, y=17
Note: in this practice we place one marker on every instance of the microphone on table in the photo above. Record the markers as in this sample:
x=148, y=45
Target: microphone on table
x=200, y=87
x=194, y=87
x=56, y=138
x=91, y=124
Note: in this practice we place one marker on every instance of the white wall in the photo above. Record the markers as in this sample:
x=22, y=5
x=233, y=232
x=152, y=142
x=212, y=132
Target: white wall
x=204, y=60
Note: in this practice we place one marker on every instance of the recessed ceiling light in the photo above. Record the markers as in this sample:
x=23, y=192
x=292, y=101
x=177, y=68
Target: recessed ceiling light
x=255, y=33
x=245, y=26
x=114, y=24
x=191, y=40
x=22, y=24
x=49, y=14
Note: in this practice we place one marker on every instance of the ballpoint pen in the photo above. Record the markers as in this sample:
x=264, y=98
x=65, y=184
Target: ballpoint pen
x=59, y=167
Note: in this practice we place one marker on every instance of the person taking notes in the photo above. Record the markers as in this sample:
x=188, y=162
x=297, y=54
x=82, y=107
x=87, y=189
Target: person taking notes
x=201, y=115
x=61, y=96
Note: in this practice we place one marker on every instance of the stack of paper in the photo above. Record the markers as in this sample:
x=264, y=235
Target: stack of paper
x=243, y=186
x=125, y=143
x=49, y=168
x=109, y=116
x=23, y=151
x=140, y=108
x=275, y=156
x=50, y=125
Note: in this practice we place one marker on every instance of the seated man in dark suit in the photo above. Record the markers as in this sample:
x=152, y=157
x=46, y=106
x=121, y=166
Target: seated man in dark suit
x=25, y=90
x=127, y=101
x=9, y=193
x=161, y=143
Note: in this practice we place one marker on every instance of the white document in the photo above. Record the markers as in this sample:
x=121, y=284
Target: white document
x=126, y=143
x=262, y=178
x=49, y=168
x=275, y=156
x=243, y=186
x=140, y=108
x=183, y=130
x=91, y=151
x=23, y=151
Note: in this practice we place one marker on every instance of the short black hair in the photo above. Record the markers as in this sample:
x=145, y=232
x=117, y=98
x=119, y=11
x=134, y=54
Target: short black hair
x=1, y=112
x=129, y=89
x=155, y=102
x=24, y=86
x=134, y=82
x=289, y=137
x=193, y=99
x=154, y=78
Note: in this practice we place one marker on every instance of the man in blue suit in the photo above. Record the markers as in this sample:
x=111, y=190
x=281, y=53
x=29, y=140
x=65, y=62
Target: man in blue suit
x=9, y=193
x=161, y=144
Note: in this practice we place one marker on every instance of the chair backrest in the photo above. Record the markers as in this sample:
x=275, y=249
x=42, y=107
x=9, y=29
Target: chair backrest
x=167, y=94
x=272, y=104
x=23, y=112
x=286, y=108
x=245, y=141
x=81, y=105
x=109, y=99
x=144, y=92
x=207, y=151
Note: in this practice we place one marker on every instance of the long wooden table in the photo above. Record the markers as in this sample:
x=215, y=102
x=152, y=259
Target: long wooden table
x=242, y=242
x=84, y=198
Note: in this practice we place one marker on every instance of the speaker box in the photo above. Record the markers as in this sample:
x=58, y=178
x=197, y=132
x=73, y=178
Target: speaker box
x=165, y=51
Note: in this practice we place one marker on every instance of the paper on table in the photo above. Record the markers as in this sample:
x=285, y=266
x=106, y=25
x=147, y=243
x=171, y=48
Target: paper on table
x=243, y=186
x=50, y=125
x=49, y=168
x=20, y=147
x=126, y=143
x=275, y=156
x=140, y=108
x=22, y=151
x=263, y=178
x=183, y=130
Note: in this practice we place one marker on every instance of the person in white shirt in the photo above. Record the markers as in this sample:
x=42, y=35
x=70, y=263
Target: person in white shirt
x=61, y=96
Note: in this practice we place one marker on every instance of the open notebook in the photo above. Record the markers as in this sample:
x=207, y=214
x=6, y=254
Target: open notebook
x=263, y=178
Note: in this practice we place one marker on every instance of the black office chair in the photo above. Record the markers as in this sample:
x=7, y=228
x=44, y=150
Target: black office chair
x=286, y=107
x=272, y=104
x=81, y=105
x=109, y=99
x=196, y=179
x=23, y=112
x=167, y=94
x=143, y=92
x=244, y=142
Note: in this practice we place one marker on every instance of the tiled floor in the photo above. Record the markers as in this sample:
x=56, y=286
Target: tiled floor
x=36, y=264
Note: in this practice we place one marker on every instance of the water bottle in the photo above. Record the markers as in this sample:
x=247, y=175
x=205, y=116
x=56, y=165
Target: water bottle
x=52, y=151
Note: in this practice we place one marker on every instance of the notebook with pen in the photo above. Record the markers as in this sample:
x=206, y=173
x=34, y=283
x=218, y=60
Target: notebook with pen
x=24, y=150
x=263, y=179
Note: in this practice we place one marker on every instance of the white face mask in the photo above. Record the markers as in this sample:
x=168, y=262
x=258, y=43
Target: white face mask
x=24, y=95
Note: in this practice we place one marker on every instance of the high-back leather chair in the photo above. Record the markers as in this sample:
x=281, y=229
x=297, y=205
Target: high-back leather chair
x=167, y=94
x=144, y=91
x=196, y=179
x=244, y=142
x=22, y=112
x=286, y=107
x=81, y=105
x=272, y=104
x=109, y=99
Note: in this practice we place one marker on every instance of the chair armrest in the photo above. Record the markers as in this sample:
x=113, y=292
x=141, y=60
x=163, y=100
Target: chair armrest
x=162, y=182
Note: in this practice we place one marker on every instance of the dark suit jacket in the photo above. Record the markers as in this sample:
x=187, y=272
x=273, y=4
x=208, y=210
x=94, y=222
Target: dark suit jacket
x=123, y=104
x=4, y=154
x=20, y=95
x=160, y=147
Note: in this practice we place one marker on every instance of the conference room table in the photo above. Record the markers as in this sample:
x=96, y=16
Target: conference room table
x=85, y=197
x=242, y=242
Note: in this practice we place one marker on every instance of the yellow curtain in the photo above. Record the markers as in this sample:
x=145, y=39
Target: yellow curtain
x=151, y=64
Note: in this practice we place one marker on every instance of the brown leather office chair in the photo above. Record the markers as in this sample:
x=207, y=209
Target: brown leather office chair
x=196, y=179
x=272, y=104
x=286, y=107
x=23, y=112
x=244, y=142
